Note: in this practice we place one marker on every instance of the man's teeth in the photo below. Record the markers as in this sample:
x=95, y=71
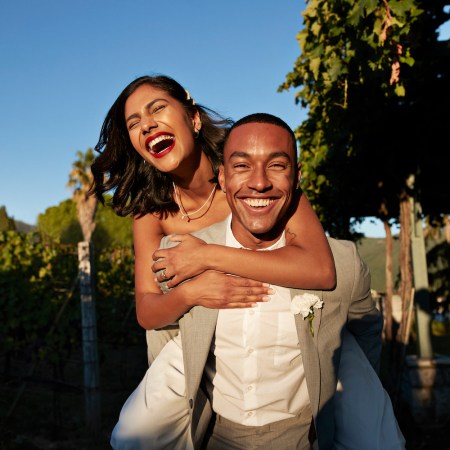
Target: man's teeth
x=159, y=139
x=258, y=202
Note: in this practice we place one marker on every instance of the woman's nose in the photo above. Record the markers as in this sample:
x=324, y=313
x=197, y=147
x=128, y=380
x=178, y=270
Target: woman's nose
x=148, y=123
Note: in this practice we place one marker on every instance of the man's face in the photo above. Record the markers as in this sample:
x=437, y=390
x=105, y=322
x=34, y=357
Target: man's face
x=258, y=177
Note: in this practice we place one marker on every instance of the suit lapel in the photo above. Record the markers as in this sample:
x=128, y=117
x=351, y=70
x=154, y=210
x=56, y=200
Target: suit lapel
x=197, y=331
x=308, y=347
x=199, y=324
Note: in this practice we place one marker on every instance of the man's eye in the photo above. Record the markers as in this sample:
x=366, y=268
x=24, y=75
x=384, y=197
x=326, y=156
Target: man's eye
x=278, y=166
x=240, y=166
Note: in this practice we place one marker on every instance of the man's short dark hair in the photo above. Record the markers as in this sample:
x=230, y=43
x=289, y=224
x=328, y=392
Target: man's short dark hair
x=264, y=118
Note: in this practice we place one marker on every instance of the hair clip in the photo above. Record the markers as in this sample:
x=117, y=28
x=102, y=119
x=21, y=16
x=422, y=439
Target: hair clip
x=189, y=97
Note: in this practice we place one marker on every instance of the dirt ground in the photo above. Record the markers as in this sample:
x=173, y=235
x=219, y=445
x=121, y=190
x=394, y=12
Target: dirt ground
x=49, y=413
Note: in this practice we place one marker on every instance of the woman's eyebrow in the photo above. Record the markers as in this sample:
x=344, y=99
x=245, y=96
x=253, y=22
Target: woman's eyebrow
x=147, y=106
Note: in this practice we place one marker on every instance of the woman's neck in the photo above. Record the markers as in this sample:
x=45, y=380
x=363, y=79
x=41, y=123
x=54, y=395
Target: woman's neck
x=195, y=181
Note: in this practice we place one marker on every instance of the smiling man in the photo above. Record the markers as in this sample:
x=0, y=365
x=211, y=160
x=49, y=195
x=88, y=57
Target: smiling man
x=266, y=377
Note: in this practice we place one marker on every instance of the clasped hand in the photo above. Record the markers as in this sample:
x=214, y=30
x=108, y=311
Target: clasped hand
x=181, y=262
x=208, y=288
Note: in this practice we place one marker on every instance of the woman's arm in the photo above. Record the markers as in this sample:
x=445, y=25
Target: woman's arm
x=305, y=262
x=155, y=310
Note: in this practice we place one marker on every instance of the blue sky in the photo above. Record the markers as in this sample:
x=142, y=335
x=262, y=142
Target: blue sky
x=63, y=63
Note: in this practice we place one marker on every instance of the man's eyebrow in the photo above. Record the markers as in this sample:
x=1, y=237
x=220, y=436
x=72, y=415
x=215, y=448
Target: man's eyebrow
x=242, y=154
x=147, y=106
x=239, y=154
x=280, y=154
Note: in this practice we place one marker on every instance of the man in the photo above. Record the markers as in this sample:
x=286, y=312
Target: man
x=270, y=375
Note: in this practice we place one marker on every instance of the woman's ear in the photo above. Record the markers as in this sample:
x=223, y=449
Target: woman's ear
x=196, y=122
x=221, y=178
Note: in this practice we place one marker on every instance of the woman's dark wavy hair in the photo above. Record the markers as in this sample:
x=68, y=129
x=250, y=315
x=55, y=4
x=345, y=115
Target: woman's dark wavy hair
x=140, y=188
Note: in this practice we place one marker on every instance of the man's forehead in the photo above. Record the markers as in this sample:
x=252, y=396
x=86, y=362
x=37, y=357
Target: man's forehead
x=242, y=154
x=267, y=137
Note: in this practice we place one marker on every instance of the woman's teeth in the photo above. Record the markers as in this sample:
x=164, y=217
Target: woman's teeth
x=160, y=143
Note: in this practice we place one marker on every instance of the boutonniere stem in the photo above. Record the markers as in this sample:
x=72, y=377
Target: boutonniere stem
x=305, y=304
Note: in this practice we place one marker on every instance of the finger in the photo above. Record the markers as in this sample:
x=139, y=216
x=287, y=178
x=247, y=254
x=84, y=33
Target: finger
x=247, y=299
x=235, y=305
x=163, y=275
x=172, y=282
x=247, y=282
x=251, y=292
x=176, y=237
x=158, y=265
x=158, y=254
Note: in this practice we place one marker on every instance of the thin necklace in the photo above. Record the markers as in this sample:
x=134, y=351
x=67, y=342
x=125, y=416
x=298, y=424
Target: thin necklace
x=183, y=212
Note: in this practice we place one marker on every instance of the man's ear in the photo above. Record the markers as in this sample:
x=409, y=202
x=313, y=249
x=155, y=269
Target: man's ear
x=221, y=178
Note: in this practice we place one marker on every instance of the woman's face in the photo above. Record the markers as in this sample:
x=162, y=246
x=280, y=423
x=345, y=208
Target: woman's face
x=159, y=127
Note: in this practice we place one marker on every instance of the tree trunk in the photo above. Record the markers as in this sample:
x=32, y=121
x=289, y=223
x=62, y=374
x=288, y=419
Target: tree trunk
x=405, y=264
x=389, y=283
x=421, y=286
x=89, y=338
x=86, y=207
x=447, y=228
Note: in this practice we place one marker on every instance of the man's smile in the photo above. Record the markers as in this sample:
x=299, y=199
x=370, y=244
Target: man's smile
x=258, y=202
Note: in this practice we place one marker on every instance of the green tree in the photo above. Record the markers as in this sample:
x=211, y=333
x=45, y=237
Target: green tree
x=6, y=223
x=375, y=79
x=60, y=223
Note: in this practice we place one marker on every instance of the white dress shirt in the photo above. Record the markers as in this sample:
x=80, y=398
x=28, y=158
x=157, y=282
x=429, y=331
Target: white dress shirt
x=257, y=373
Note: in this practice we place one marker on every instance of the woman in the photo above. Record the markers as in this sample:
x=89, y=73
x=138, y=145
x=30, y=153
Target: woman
x=161, y=152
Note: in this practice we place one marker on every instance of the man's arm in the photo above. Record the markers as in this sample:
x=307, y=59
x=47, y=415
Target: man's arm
x=364, y=320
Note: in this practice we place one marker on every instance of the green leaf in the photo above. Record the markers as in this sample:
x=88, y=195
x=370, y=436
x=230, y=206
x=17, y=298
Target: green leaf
x=399, y=90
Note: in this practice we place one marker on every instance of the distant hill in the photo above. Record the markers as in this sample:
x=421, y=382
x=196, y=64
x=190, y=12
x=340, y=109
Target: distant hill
x=373, y=252
x=23, y=227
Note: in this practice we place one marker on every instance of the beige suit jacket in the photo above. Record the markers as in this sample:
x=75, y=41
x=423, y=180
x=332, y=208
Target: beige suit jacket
x=348, y=305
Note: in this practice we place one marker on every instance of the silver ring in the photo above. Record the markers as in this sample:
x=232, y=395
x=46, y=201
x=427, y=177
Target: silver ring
x=163, y=274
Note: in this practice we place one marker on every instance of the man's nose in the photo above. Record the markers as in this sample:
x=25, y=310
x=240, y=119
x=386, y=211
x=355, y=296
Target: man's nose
x=259, y=180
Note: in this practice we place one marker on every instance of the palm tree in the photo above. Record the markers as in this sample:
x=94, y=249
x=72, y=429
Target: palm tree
x=80, y=180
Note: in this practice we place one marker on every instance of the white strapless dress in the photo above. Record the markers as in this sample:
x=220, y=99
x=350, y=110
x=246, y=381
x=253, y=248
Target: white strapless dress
x=156, y=415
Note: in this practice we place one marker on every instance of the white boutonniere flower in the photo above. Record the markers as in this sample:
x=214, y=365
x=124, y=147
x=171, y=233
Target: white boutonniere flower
x=305, y=304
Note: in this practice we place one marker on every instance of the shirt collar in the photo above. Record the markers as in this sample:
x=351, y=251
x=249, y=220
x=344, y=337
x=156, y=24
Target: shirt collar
x=231, y=241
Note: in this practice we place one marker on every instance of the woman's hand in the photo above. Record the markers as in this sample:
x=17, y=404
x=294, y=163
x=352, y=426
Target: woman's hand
x=217, y=290
x=179, y=263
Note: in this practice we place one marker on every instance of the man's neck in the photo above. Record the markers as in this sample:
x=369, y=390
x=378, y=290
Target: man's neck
x=257, y=242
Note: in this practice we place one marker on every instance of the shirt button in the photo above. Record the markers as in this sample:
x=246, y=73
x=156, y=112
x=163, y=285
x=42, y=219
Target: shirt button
x=250, y=414
x=249, y=388
x=252, y=312
x=250, y=350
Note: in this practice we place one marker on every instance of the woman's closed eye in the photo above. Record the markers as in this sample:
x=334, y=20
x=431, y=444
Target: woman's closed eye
x=133, y=124
x=158, y=108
